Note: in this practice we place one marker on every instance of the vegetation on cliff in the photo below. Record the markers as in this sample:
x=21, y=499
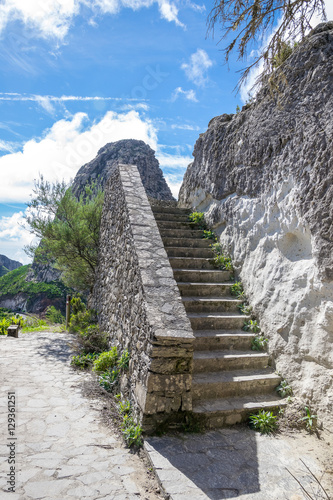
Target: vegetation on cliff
x=14, y=282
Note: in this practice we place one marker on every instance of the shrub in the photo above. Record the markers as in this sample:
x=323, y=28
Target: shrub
x=109, y=379
x=106, y=360
x=251, y=326
x=198, y=219
x=81, y=320
x=53, y=315
x=209, y=235
x=237, y=289
x=284, y=389
x=93, y=340
x=83, y=361
x=223, y=262
x=259, y=343
x=4, y=324
x=264, y=422
x=309, y=419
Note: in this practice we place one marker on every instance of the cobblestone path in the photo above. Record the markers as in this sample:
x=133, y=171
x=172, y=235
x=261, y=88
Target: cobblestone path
x=60, y=447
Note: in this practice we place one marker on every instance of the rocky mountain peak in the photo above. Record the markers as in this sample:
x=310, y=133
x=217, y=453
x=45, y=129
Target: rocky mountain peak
x=129, y=151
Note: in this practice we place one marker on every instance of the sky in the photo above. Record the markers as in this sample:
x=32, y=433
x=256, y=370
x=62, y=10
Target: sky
x=77, y=74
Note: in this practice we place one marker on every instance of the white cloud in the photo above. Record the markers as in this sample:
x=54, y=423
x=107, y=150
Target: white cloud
x=169, y=12
x=184, y=126
x=188, y=94
x=53, y=18
x=14, y=237
x=65, y=147
x=196, y=69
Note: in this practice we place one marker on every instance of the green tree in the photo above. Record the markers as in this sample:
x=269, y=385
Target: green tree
x=69, y=230
x=253, y=21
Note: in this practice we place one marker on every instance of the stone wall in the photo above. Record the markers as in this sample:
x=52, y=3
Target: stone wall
x=264, y=177
x=138, y=302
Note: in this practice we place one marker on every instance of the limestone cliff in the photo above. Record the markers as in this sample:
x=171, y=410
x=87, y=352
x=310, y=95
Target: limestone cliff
x=265, y=178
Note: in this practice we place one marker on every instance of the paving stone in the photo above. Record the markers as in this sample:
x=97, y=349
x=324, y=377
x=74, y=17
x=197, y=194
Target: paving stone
x=60, y=440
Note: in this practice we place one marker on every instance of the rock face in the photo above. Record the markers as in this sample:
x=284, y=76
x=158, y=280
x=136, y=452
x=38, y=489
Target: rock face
x=264, y=177
x=9, y=263
x=130, y=152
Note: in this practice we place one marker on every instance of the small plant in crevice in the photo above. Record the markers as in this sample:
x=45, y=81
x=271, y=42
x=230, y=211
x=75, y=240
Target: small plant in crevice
x=237, y=290
x=223, y=262
x=110, y=366
x=309, y=419
x=251, y=326
x=265, y=422
x=259, y=343
x=108, y=380
x=132, y=432
x=198, y=219
x=209, y=235
x=245, y=308
x=284, y=389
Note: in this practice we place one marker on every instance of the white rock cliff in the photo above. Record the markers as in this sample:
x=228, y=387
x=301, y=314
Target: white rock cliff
x=265, y=179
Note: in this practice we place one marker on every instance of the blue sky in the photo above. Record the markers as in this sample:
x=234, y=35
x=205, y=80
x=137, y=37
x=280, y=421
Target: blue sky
x=76, y=74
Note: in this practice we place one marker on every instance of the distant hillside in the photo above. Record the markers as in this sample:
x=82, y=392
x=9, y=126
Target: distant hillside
x=27, y=295
x=7, y=265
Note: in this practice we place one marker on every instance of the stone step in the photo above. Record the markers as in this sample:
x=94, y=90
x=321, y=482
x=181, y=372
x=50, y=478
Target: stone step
x=170, y=210
x=216, y=321
x=163, y=216
x=185, y=242
x=211, y=304
x=204, y=289
x=191, y=263
x=222, y=339
x=178, y=225
x=188, y=252
x=233, y=383
x=222, y=412
x=214, y=361
x=201, y=275
x=181, y=233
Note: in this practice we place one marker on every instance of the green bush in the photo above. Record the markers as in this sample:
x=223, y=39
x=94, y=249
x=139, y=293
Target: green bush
x=4, y=324
x=223, y=262
x=251, y=326
x=77, y=305
x=198, y=219
x=237, y=289
x=93, y=340
x=259, y=343
x=284, y=389
x=53, y=315
x=82, y=320
x=209, y=235
x=264, y=422
x=83, y=361
x=106, y=360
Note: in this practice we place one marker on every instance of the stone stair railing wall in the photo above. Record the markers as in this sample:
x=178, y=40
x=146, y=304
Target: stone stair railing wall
x=139, y=304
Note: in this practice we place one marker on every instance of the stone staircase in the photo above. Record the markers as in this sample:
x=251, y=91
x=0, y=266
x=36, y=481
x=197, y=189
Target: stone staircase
x=229, y=379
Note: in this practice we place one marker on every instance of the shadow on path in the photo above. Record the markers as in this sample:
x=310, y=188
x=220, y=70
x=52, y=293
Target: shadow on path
x=51, y=348
x=222, y=464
